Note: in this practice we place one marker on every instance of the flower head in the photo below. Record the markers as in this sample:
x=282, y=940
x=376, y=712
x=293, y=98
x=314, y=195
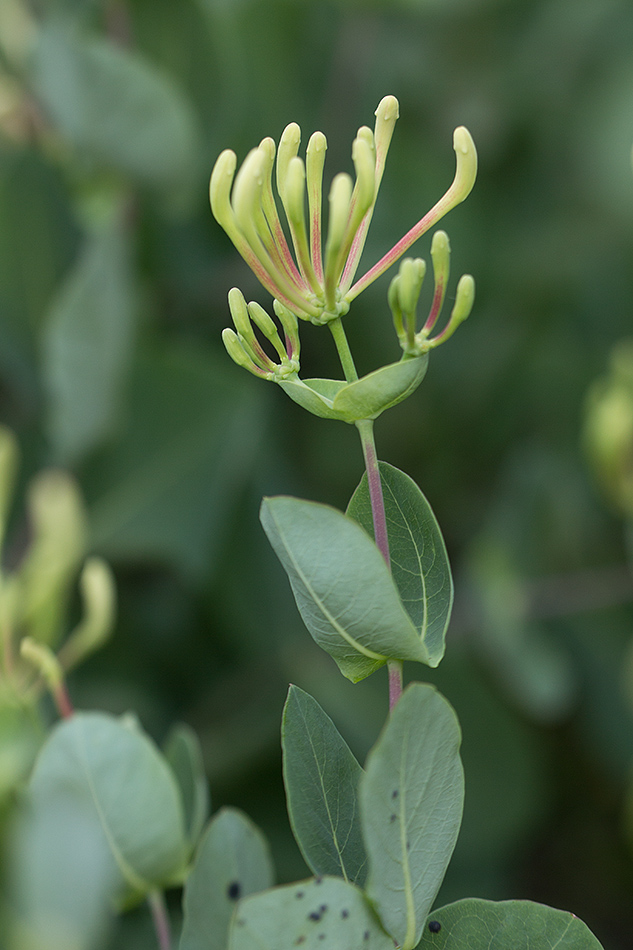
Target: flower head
x=317, y=283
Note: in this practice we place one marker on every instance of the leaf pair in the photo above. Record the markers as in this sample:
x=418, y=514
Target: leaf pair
x=355, y=609
x=394, y=825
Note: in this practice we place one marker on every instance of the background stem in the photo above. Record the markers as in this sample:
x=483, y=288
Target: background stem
x=156, y=901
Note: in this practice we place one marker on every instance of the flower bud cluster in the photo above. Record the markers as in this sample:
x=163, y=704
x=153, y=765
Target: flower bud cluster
x=310, y=272
x=317, y=283
x=404, y=292
x=246, y=350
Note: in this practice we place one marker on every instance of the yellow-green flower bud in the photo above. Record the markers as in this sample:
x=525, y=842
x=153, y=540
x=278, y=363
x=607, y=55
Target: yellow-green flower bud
x=290, y=326
x=340, y=198
x=464, y=300
x=9, y=455
x=235, y=348
x=288, y=148
x=466, y=171
x=412, y=272
x=99, y=605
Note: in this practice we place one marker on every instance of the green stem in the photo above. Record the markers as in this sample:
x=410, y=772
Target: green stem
x=156, y=901
x=344, y=352
x=366, y=430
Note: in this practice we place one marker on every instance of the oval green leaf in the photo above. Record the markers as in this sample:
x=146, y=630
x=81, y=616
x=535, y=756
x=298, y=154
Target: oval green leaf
x=382, y=389
x=232, y=861
x=321, y=914
x=505, y=925
x=111, y=767
x=321, y=777
x=419, y=562
x=412, y=796
x=342, y=586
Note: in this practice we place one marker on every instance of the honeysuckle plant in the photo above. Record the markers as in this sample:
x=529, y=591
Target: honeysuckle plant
x=318, y=282
x=373, y=586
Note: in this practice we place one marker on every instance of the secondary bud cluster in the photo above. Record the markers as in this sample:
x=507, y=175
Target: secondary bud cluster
x=246, y=350
x=404, y=292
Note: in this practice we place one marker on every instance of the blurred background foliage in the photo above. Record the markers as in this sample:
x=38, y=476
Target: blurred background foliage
x=113, y=283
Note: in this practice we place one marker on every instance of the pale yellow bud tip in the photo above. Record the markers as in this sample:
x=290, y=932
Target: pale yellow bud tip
x=466, y=153
x=388, y=109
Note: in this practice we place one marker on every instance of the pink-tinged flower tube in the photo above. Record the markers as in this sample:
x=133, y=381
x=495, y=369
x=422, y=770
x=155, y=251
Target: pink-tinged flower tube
x=313, y=279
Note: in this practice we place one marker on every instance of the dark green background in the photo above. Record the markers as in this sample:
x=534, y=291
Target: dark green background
x=113, y=283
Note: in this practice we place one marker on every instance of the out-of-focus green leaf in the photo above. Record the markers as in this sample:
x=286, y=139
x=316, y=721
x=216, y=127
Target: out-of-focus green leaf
x=165, y=487
x=534, y=669
x=108, y=765
x=321, y=777
x=88, y=345
x=507, y=925
x=9, y=459
x=412, y=796
x=419, y=563
x=114, y=105
x=342, y=586
x=184, y=755
x=322, y=914
x=232, y=862
x=60, y=876
x=40, y=587
x=20, y=738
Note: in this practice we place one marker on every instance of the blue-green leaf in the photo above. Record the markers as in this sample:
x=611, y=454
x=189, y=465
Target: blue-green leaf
x=342, y=586
x=419, y=562
x=232, y=861
x=412, y=796
x=507, y=925
x=321, y=914
x=321, y=776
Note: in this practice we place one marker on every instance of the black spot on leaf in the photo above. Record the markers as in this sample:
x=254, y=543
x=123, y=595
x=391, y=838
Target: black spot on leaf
x=299, y=940
x=393, y=818
x=344, y=913
x=366, y=935
x=299, y=894
x=315, y=915
x=394, y=794
x=318, y=880
x=234, y=890
x=323, y=908
x=435, y=926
